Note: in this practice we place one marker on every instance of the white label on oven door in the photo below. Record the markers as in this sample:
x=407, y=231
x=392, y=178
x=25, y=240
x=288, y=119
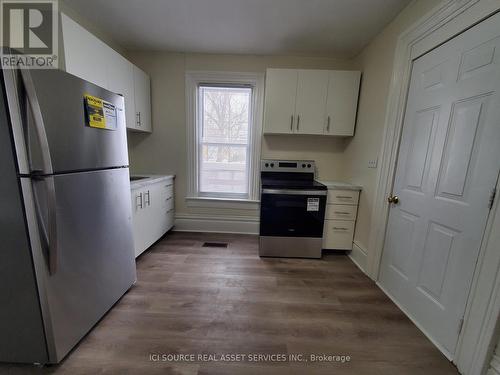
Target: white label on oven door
x=312, y=204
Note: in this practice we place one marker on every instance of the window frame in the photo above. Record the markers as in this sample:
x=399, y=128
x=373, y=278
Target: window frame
x=194, y=79
x=248, y=146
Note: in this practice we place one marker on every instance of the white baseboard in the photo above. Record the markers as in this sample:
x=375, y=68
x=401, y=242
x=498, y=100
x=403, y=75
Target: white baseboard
x=217, y=224
x=358, y=256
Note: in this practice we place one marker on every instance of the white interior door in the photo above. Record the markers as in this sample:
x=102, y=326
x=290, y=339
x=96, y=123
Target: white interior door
x=448, y=163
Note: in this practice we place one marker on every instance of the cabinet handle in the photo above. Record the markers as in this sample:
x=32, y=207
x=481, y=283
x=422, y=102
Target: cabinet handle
x=140, y=204
x=291, y=123
x=168, y=185
x=140, y=122
x=342, y=213
x=328, y=124
x=344, y=197
x=149, y=198
x=169, y=211
x=340, y=228
x=168, y=198
x=137, y=120
x=298, y=122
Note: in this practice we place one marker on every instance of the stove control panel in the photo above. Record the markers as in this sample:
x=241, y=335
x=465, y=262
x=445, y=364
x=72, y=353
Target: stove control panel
x=287, y=166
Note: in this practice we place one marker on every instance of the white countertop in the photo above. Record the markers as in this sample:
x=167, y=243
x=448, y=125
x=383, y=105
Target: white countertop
x=149, y=179
x=340, y=185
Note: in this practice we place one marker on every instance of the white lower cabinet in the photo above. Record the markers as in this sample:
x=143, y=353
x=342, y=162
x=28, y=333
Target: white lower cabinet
x=340, y=218
x=152, y=211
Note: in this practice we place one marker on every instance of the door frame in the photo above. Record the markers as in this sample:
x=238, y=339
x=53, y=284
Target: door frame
x=448, y=19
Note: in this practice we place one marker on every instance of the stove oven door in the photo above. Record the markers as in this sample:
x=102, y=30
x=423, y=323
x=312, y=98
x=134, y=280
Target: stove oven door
x=292, y=213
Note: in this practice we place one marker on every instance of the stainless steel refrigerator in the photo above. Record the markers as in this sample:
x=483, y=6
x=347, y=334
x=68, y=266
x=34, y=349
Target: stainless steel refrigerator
x=66, y=253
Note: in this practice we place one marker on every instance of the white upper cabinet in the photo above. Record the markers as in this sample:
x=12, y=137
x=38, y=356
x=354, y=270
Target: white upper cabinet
x=87, y=57
x=312, y=88
x=281, y=93
x=315, y=102
x=142, y=87
x=342, y=102
x=121, y=81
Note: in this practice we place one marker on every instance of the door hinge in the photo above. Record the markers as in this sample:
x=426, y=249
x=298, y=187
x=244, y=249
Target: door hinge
x=492, y=197
x=460, y=326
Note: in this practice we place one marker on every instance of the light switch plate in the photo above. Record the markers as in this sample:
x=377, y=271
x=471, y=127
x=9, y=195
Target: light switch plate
x=372, y=163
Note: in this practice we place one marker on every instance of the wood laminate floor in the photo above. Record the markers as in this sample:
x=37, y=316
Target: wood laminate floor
x=189, y=299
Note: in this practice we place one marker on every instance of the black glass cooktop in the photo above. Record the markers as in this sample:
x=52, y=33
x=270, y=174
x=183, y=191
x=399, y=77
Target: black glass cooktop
x=292, y=184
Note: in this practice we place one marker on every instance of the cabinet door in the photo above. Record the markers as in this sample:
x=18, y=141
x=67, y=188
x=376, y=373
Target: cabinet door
x=159, y=211
x=281, y=91
x=121, y=81
x=312, y=88
x=342, y=102
x=138, y=220
x=150, y=218
x=142, y=90
x=85, y=55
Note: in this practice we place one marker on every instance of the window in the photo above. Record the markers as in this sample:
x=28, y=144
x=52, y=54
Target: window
x=224, y=121
x=224, y=124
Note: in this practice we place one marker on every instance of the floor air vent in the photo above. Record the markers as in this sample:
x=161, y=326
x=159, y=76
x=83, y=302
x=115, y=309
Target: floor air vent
x=214, y=244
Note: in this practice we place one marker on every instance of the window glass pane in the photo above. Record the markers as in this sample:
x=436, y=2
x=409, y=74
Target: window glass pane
x=224, y=144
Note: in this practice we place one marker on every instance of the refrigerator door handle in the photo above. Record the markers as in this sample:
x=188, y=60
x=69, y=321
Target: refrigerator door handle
x=52, y=225
x=49, y=229
x=47, y=169
x=38, y=121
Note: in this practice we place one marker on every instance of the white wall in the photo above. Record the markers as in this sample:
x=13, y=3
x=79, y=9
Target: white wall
x=165, y=150
x=375, y=61
x=337, y=158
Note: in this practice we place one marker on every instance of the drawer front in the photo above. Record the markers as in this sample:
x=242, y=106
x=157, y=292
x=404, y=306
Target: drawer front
x=341, y=212
x=170, y=218
x=338, y=234
x=343, y=197
x=167, y=188
x=168, y=202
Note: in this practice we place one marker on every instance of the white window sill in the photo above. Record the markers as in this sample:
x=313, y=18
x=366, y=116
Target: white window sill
x=232, y=203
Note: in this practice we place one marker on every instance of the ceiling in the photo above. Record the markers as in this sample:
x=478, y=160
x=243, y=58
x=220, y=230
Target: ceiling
x=295, y=27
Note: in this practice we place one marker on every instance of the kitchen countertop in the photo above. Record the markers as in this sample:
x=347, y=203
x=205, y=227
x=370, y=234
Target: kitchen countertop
x=150, y=179
x=340, y=185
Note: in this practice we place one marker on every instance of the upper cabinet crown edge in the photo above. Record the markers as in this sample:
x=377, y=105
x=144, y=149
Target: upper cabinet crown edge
x=109, y=70
x=314, y=102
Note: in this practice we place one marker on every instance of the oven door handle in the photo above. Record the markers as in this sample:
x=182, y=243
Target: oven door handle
x=294, y=192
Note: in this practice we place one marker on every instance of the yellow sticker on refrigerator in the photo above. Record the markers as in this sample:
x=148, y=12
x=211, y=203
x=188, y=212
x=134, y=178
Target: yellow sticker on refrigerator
x=100, y=113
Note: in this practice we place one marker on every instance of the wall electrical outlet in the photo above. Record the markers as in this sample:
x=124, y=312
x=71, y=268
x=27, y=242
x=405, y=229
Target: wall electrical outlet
x=372, y=163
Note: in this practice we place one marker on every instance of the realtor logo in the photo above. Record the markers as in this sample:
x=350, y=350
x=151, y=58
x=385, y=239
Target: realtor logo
x=29, y=34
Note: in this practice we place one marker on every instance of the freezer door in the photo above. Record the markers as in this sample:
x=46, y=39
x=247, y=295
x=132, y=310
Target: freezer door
x=22, y=336
x=95, y=252
x=73, y=145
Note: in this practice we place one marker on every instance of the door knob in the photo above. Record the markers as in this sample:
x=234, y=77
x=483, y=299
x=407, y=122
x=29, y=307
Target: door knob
x=393, y=199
